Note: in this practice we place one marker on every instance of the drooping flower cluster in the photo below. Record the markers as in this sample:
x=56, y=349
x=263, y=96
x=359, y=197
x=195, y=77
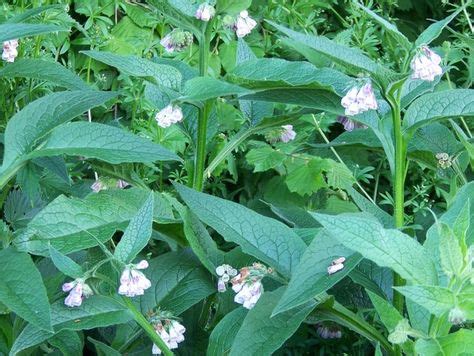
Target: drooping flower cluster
x=426, y=65
x=349, y=124
x=287, y=134
x=132, y=281
x=176, y=40
x=104, y=184
x=168, y=116
x=328, y=332
x=358, y=100
x=336, y=265
x=10, y=51
x=225, y=273
x=444, y=160
x=456, y=316
x=78, y=291
x=248, y=286
x=205, y=12
x=97, y=186
x=244, y=24
x=171, y=332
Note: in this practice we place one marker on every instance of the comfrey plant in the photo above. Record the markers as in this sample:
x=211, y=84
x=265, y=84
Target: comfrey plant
x=104, y=247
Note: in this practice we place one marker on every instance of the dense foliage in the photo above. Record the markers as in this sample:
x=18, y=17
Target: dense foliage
x=232, y=177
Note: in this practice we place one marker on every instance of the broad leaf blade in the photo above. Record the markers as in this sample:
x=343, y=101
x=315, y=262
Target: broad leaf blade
x=223, y=335
x=12, y=31
x=434, y=30
x=437, y=300
x=65, y=264
x=204, y=88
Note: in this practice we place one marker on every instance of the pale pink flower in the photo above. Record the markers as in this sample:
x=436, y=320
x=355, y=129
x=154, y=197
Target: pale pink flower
x=350, y=125
x=167, y=43
x=172, y=333
x=288, y=134
x=121, y=184
x=132, y=281
x=10, y=51
x=168, y=116
x=358, y=100
x=176, y=40
x=78, y=290
x=248, y=294
x=244, y=24
x=98, y=186
x=426, y=65
x=205, y=12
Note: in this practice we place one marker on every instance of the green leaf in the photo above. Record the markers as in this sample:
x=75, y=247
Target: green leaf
x=348, y=57
x=204, y=88
x=452, y=258
x=339, y=176
x=269, y=240
x=261, y=334
x=434, y=30
x=103, y=349
x=44, y=70
x=68, y=342
x=135, y=66
x=388, y=314
x=232, y=7
x=388, y=248
x=103, y=142
x=311, y=277
x=439, y=105
x=22, y=289
x=389, y=27
x=437, y=300
x=65, y=264
x=95, y=311
x=137, y=234
x=460, y=343
x=41, y=116
x=178, y=281
x=68, y=223
x=413, y=88
x=307, y=178
x=223, y=335
x=13, y=31
x=25, y=15
x=265, y=158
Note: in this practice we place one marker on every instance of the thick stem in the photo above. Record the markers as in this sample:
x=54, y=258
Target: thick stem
x=203, y=115
x=147, y=327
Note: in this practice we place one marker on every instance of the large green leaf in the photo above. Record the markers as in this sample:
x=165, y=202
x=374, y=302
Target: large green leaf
x=22, y=289
x=44, y=70
x=178, y=281
x=69, y=224
x=261, y=334
x=232, y=7
x=439, y=105
x=387, y=248
x=38, y=118
x=139, y=67
x=388, y=314
x=137, y=234
x=103, y=142
x=223, y=335
x=95, y=311
x=267, y=239
x=68, y=342
x=437, y=300
x=460, y=343
x=66, y=265
x=12, y=31
x=311, y=277
x=204, y=88
x=434, y=30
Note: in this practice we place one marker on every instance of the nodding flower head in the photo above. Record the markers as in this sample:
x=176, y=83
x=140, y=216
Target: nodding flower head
x=426, y=65
x=287, y=134
x=349, y=124
x=359, y=99
x=244, y=24
x=171, y=332
x=456, y=316
x=225, y=273
x=10, y=51
x=205, y=12
x=168, y=116
x=98, y=186
x=247, y=284
x=444, y=160
x=132, y=281
x=328, y=332
x=176, y=40
x=78, y=290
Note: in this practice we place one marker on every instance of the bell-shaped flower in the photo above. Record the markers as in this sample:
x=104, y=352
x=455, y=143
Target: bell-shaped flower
x=78, y=290
x=98, y=186
x=176, y=40
x=132, y=281
x=358, y=100
x=287, y=134
x=426, y=65
x=247, y=284
x=10, y=51
x=168, y=116
x=225, y=272
x=349, y=124
x=244, y=24
x=171, y=332
x=205, y=12
x=249, y=294
x=121, y=184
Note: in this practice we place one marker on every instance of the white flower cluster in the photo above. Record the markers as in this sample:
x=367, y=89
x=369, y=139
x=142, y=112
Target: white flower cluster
x=358, y=100
x=426, y=65
x=132, y=281
x=168, y=116
x=176, y=40
x=349, y=124
x=225, y=273
x=10, y=51
x=244, y=24
x=444, y=160
x=288, y=134
x=248, y=286
x=172, y=333
x=336, y=265
x=328, y=332
x=78, y=290
x=205, y=12
x=101, y=185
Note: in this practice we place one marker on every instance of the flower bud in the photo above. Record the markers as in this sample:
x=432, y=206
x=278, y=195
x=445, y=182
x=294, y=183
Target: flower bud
x=456, y=316
x=205, y=12
x=244, y=24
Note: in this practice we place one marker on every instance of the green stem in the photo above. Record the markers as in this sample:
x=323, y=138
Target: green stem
x=9, y=172
x=203, y=115
x=147, y=327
